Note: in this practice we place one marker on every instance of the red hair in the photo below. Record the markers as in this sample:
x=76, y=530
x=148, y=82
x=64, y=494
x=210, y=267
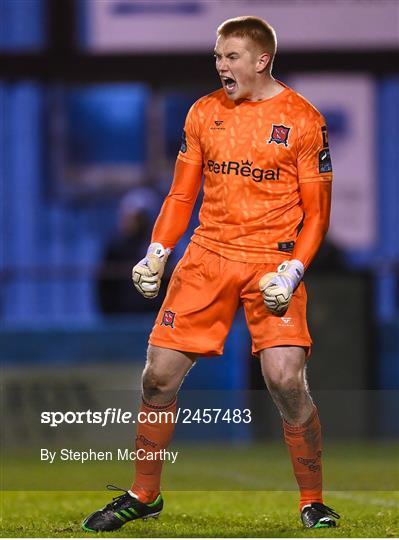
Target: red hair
x=254, y=28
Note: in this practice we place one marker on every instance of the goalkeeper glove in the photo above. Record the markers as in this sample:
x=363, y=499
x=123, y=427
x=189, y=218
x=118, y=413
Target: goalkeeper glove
x=278, y=287
x=148, y=272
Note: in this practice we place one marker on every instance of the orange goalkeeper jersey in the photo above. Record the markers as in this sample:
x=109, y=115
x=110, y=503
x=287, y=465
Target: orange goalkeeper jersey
x=254, y=155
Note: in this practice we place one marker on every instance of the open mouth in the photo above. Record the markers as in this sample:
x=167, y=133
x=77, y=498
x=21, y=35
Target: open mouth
x=229, y=84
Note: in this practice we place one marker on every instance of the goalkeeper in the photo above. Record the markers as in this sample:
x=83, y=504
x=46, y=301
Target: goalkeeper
x=263, y=152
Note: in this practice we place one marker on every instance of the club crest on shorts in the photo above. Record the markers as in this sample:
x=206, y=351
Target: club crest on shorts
x=279, y=135
x=168, y=318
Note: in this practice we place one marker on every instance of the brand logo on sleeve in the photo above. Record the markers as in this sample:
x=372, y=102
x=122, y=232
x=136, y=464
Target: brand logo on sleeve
x=279, y=135
x=325, y=164
x=324, y=134
x=183, y=147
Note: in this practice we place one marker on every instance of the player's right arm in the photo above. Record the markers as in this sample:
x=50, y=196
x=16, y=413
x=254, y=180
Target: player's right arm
x=175, y=213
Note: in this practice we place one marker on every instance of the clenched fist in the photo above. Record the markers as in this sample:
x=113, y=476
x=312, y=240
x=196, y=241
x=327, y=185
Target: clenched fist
x=278, y=287
x=147, y=274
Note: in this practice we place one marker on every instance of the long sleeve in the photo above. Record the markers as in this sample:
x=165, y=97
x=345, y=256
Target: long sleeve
x=177, y=208
x=316, y=200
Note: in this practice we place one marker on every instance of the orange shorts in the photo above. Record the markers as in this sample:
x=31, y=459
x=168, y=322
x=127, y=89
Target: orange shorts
x=203, y=296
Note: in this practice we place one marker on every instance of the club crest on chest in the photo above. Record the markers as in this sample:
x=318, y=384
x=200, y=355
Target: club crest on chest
x=279, y=135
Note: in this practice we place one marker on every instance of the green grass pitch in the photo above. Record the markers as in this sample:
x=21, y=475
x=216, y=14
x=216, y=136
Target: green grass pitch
x=362, y=480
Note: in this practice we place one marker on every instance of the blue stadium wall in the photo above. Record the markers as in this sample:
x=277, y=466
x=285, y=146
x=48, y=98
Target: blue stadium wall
x=43, y=236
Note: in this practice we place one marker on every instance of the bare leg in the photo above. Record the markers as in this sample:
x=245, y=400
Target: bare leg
x=163, y=375
x=283, y=369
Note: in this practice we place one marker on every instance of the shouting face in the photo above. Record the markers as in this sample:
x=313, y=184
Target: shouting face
x=240, y=65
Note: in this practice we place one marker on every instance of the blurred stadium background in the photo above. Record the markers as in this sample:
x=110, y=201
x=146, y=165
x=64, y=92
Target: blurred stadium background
x=93, y=96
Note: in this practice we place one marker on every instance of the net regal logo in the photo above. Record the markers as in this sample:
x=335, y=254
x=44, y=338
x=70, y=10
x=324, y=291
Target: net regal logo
x=245, y=168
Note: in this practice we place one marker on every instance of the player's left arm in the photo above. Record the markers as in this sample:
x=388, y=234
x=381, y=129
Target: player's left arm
x=314, y=177
x=316, y=202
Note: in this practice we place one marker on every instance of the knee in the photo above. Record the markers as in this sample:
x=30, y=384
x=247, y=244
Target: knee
x=286, y=384
x=154, y=381
x=284, y=370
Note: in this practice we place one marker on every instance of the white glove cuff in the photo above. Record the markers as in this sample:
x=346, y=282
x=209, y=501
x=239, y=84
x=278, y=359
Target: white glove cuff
x=294, y=269
x=157, y=249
